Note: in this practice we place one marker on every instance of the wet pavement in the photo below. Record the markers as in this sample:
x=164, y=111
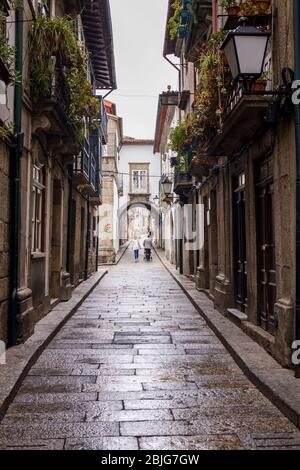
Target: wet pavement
x=136, y=367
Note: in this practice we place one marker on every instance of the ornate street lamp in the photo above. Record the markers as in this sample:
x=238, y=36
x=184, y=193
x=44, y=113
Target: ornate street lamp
x=245, y=49
x=167, y=186
x=156, y=200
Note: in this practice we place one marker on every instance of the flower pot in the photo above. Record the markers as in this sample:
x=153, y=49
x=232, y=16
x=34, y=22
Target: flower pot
x=185, y=3
x=233, y=11
x=259, y=85
x=184, y=17
x=181, y=32
x=263, y=5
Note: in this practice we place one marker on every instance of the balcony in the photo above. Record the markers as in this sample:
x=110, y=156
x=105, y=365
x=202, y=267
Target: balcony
x=259, y=21
x=50, y=111
x=199, y=22
x=183, y=99
x=86, y=171
x=201, y=164
x=245, y=115
x=182, y=183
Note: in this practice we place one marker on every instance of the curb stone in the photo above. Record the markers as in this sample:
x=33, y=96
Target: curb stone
x=275, y=382
x=20, y=359
x=119, y=255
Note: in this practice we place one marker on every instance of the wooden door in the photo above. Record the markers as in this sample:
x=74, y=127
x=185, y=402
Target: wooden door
x=239, y=242
x=266, y=246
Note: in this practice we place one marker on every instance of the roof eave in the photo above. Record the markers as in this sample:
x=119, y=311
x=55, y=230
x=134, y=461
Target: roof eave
x=97, y=24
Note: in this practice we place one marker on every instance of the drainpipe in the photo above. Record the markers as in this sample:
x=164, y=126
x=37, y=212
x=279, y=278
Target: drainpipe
x=296, y=16
x=214, y=16
x=16, y=154
x=87, y=242
x=70, y=215
x=97, y=242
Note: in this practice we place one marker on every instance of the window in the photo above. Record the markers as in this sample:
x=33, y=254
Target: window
x=38, y=190
x=139, y=181
x=44, y=7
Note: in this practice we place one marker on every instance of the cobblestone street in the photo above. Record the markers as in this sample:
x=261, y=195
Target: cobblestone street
x=137, y=367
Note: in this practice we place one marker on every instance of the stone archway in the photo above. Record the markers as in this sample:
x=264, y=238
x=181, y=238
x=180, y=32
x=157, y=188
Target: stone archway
x=129, y=227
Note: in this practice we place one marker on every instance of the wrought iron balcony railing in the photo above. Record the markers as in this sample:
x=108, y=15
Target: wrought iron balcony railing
x=87, y=167
x=54, y=102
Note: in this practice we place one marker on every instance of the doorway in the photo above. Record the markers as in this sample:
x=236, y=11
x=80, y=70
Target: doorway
x=239, y=241
x=266, y=275
x=56, y=240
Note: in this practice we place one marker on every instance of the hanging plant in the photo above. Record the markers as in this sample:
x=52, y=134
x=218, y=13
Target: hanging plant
x=212, y=91
x=182, y=135
x=6, y=132
x=7, y=52
x=174, y=21
x=255, y=7
x=50, y=37
x=231, y=6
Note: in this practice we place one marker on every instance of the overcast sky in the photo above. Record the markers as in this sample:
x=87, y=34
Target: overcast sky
x=138, y=28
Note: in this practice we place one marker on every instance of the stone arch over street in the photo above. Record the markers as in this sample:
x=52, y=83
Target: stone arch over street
x=136, y=217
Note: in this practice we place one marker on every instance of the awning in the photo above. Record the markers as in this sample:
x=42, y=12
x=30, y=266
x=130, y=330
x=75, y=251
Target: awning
x=167, y=103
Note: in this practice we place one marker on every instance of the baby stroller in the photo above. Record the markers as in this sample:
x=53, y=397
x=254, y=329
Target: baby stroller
x=147, y=254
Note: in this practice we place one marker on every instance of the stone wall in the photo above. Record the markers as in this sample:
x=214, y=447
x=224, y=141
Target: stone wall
x=4, y=239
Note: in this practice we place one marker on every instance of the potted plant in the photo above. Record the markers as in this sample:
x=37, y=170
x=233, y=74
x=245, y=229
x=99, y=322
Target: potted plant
x=254, y=7
x=231, y=7
x=259, y=85
x=263, y=5
x=184, y=17
x=181, y=31
x=261, y=82
x=7, y=54
x=174, y=21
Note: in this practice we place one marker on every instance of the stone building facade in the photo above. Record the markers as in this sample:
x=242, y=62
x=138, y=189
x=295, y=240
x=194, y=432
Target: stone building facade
x=167, y=116
x=112, y=188
x=60, y=183
x=244, y=178
x=141, y=175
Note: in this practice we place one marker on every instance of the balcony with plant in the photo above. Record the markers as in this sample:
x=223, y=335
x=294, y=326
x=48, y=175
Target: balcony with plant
x=187, y=24
x=181, y=140
x=59, y=64
x=7, y=74
x=259, y=12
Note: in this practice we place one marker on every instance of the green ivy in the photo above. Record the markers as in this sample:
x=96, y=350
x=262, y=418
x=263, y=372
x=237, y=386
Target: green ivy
x=174, y=21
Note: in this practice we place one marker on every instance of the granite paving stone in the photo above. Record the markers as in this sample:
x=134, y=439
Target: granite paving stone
x=137, y=367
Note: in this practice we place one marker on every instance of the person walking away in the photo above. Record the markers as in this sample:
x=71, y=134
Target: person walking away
x=148, y=246
x=136, y=246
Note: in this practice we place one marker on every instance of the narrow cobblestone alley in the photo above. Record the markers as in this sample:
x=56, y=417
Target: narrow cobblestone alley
x=137, y=367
